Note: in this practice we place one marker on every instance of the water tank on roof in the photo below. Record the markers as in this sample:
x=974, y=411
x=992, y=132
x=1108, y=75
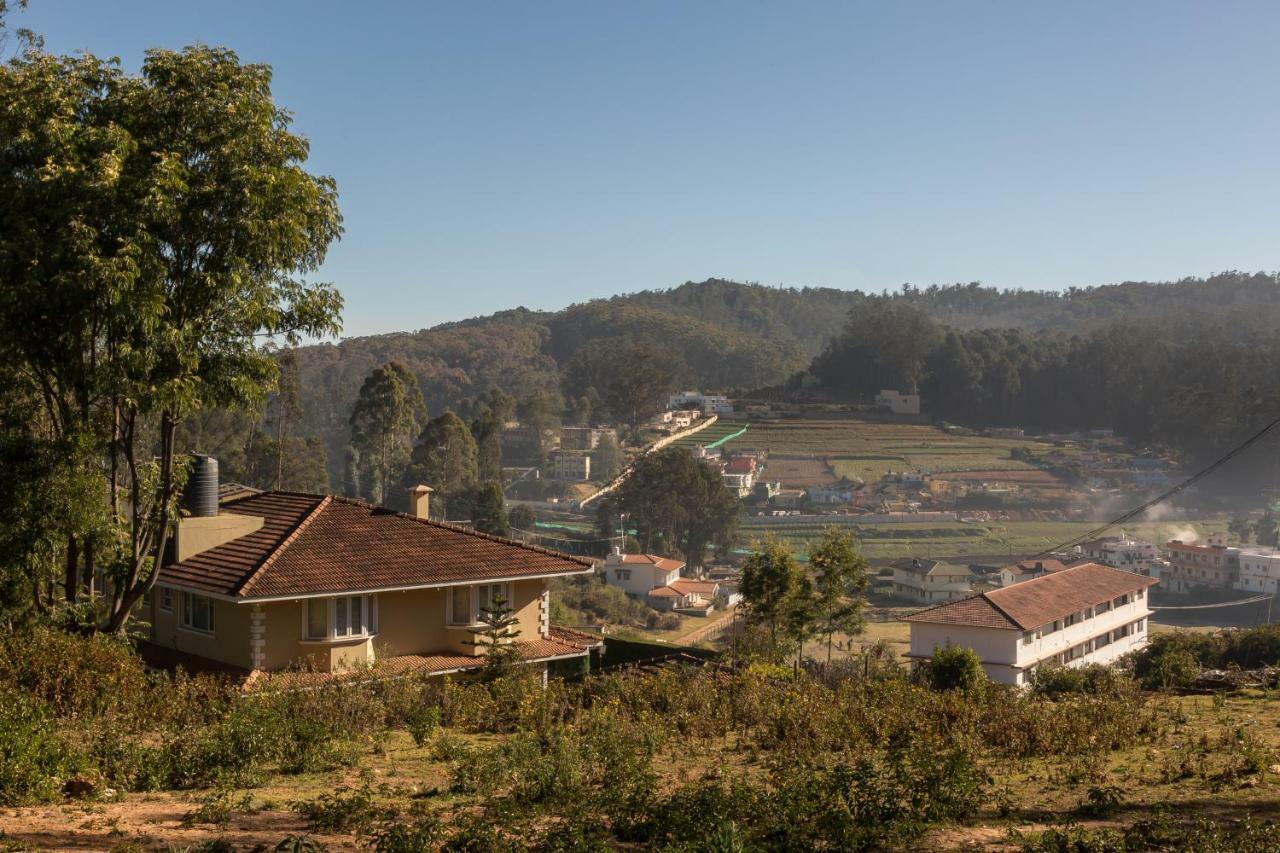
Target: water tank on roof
x=200, y=497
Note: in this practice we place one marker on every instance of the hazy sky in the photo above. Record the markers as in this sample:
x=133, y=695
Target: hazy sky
x=492, y=154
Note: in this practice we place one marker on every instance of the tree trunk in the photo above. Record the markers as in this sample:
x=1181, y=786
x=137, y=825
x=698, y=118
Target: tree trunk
x=71, y=571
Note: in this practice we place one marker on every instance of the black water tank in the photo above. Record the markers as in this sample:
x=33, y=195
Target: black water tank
x=200, y=497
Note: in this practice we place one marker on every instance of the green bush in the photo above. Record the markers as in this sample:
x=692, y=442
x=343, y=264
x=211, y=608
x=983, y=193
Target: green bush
x=34, y=763
x=954, y=668
x=1093, y=679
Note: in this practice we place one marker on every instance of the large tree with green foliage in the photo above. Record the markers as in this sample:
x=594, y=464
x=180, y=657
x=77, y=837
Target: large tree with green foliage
x=488, y=510
x=677, y=504
x=839, y=582
x=777, y=593
x=444, y=456
x=632, y=376
x=167, y=222
x=383, y=422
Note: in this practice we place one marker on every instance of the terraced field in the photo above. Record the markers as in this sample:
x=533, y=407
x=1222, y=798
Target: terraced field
x=866, y=450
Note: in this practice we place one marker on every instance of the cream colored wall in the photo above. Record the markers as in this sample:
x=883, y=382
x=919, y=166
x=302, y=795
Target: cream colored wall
x=409, y=622
x=229, y=642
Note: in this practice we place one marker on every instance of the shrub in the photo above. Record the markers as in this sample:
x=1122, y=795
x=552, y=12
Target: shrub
x=1093, y=679
x=34, y=763
x=954, y=668
x=345, y=810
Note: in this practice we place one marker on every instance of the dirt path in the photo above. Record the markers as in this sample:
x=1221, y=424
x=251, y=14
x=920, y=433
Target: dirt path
x=150, y=821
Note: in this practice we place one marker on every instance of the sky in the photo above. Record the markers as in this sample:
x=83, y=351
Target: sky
x=495, y=154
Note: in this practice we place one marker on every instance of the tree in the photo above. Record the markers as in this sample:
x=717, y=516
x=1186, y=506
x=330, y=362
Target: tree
x=491, y=412
x=776, y=592
x=383, y=423
x=1240, y=528
x=840, y=579
x=632, y=376
x=488, y=510
x=287, y=410
x=606, y=459
x=1266, y=530
x=678, y=504
x=444, y=457
x=495, y=637
x=167, y=221
x=521, y=517
x=955, y=668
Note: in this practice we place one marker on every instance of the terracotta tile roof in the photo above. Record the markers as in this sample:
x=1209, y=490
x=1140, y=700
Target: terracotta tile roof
x=562, y=643
x=974, y=610
x=687, y=586
x=664, y=592
x=1027, y=567
x=649, y=559
x=316, y=544
x=1040, y=600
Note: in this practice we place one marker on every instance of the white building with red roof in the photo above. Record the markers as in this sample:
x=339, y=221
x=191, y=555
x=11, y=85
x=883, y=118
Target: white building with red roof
x=1084, y=614
x=657, y=580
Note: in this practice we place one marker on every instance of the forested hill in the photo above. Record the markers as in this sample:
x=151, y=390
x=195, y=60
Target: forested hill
x=731, y=335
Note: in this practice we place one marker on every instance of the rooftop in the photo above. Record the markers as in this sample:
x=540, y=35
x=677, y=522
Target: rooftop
x=1038, y=601
x=648, y=559
x=320, y=544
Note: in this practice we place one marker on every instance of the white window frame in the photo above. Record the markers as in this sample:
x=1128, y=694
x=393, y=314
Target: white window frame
x=369, y=610
x=166, y=599
x=472, y=617
x=187, y=617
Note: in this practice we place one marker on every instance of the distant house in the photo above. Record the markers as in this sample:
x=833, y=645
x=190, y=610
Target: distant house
x=636, y=574
x=899, y=403
x=830, y=495
x=280, y=581
x=657, y=580
x=1259, y=570
x=706, y=403
x=1084, y=614
x=930, y=581
x=1006, y=432
x=1194, y=567
x=788, y=498
x=584, y=438
x=1028, y=569
x=1123, y=552
x=571, y=467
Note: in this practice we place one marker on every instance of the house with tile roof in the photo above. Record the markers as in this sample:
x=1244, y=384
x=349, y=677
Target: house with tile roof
x=637, y=574
x=930, y=581
x=1028, y=569
x=278, y=581
x=1089, y=613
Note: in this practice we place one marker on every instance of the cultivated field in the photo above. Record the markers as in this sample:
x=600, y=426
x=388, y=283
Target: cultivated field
x=866, y=450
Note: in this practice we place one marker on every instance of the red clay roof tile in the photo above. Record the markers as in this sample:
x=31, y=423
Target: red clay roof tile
x=317, y=544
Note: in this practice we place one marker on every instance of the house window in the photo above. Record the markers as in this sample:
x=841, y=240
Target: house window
x=460, y=605
x=341, y=617
x=622, y=574
x=166, y=599
x=488, y=592
x=317, y=618
x=197, y=612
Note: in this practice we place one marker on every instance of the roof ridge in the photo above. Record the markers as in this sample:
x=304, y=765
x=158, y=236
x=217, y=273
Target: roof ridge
x=1002, y=611
x=457, y=528
x=302, y=525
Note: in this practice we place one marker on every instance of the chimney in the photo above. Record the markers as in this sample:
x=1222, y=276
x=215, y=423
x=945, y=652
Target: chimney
x=420, y=501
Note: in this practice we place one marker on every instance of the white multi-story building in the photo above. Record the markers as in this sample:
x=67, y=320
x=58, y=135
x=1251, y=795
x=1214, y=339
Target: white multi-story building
x=1259, y=570
x=1085, y=614
x=1124, y=552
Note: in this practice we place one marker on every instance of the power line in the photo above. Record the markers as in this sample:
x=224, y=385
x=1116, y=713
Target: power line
x=1139, y=510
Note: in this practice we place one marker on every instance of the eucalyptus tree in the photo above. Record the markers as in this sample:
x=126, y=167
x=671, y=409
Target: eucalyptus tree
x=383, y=422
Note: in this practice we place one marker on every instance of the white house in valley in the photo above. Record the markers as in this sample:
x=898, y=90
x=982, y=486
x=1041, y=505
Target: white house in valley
x=1088, y=613
x=930, y=581
x=1259, y=570
x=638, y=574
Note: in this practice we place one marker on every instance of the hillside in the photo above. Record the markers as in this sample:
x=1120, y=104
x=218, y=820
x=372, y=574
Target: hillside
x=735, y=335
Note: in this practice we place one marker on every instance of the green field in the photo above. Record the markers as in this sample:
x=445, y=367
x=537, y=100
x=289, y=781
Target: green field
x=1017, y=539
x=866, y=450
